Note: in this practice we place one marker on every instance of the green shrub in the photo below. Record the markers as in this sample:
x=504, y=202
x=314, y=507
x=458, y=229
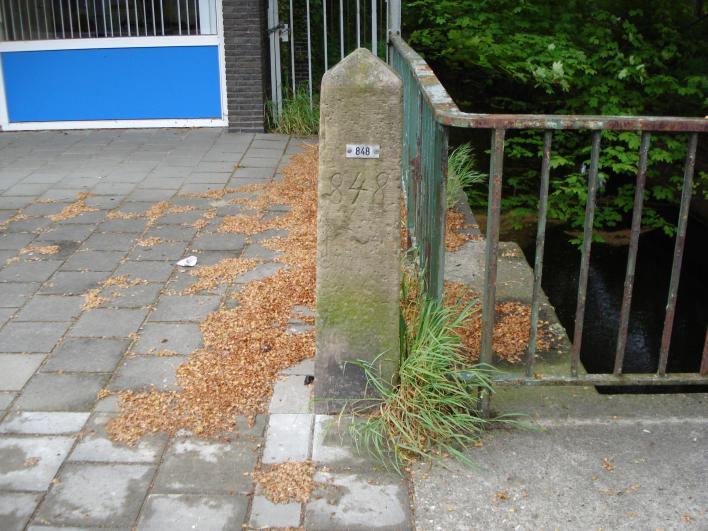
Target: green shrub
x=461, y=173
x=298, y=117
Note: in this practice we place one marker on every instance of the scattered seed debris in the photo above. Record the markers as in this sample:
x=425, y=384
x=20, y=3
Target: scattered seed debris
x=93, y=299
x=75, y=209
x=30, y=462
x=165, y=353
x=204, y=220
x=103, y=393
x=149, y=242
x=224, y=271
x=290, y=482
x=502, y=495
x=245, y=348
x=243, y=224
x=17, y=217
x=607, y=464
x=511, y=327
x=45, y=249
x=454, y=239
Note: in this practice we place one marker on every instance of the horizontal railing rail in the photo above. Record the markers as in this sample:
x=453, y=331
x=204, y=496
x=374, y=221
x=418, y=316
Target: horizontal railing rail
x=429, y=112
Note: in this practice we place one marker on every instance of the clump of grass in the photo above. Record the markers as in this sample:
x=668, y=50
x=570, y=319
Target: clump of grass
x=297, y=116
x=434, y=409
x=461, y=173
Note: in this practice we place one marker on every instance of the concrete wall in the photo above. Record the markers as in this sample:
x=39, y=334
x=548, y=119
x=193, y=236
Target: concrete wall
x=245, y=43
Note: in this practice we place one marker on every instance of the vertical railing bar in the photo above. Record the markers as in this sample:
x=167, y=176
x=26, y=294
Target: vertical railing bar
x=71, y=20
x=374, y=29
x=120, y=21
x=292, y=48
x=491, y=254
x=6, y=27
x=678, y=253
x=703, y=371
x=61, y=16
x=127, y=14
x=632, y=254
x=78, y=18
x=137, y=18
x=95, y=18
x=54, y=19
x=309, y=52
x=358, y=25
x=440, y=216
x=585, y=256
x=324, y=26
x=145, y=18
x=88, y=18
x=36, y=20
x=154, y=22
x=29, y=23
x=417, y=173
x=179, y=15
x=341, y=29
x=105, y=22
x=162, y=17
x=12, y=23
x=540, y=244
x=46, y=19
x=197, y=23
x=189, y=24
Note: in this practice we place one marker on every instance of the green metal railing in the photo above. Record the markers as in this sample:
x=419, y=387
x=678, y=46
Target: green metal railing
x=428, y=114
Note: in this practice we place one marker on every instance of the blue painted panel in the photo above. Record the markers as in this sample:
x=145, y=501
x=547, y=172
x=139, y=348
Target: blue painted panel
x=113, y=84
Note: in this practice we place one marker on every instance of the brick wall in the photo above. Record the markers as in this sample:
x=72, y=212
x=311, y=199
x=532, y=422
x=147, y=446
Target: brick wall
x=245, y=44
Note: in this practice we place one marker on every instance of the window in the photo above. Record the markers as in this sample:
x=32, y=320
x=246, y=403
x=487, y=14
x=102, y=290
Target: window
x=23, y=20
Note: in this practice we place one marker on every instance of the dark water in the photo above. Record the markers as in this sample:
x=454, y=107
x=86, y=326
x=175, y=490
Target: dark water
x=605, y=286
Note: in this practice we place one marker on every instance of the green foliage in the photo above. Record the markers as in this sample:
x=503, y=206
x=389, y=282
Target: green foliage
x=434, y=409
x=297, y=116
x=605, y=57
x=461, y=173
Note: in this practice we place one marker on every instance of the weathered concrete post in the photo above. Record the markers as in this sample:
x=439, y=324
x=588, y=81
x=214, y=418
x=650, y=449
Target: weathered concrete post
x=358, y=227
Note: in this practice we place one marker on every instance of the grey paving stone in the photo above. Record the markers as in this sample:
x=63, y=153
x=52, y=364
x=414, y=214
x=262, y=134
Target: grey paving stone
x=146, y=372
x=248, y=162
x=150, y=271
x=43, y=209
x=28, y=225
x=66, y=249
x=363, y=502
x=70, y=232
x=113, y=322
x=51, y=308
x=100, y=261
x=137, y=296
x=60, y=392
x=291, y=395
x=184, y=308
x=183, y=280
x=108, y=404
x=123, y=225
x=30, y=463
x=266, y=152
x=200, y=466
x=185, y=512
x=219, y=242
x=44, y=422
x=80, y=498
x=11, y=202
x=16, y=508
x=255, y=250
x=304, y=368
x=288, y=438
x=104, y=188
x=95, y=445
x=16, y=369
x=172, y=232
x=167, y=251
x=182, y=218
x=29, y=271
x=265, y=514
x=259, y=272
x=84, y=354
x=5, y=314
x=6, y=398
x=332, y=446
x=183, y=338
x=72, y=282
x=31, y=337
x=259, y=173
x=209, y=177
x=109, y=241
x=13, y=242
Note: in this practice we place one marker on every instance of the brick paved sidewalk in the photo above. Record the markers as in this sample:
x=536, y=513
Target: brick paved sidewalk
x=57, y=466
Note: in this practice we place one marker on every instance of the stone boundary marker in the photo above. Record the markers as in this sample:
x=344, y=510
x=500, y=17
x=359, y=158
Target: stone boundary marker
x=358, y=227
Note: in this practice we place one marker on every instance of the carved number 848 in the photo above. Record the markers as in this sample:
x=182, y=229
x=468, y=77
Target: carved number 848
x=357, y=189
